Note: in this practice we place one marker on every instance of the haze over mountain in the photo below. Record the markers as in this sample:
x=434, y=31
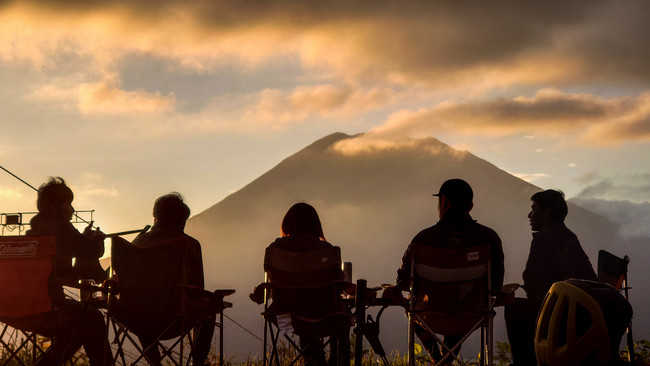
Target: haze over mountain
x=371, y=203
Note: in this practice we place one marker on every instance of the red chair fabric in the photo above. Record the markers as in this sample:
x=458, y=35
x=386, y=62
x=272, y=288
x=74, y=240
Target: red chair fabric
x=25, y=267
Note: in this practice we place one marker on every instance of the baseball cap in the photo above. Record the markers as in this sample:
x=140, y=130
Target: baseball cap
x=457, y=191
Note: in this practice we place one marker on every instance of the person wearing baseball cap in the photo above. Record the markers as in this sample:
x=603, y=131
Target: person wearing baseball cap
x=455, y=229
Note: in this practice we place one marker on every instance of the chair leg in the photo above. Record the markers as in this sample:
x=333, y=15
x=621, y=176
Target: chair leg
x=630, y=345
x=221, y=339
x=482, y=347
x=490, y=340
x=274, y=349
x=411, y=340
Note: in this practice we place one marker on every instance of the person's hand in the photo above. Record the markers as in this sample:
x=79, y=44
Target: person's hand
x=93, y=234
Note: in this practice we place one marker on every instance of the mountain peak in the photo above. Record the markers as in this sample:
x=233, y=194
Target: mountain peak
x=372, y=198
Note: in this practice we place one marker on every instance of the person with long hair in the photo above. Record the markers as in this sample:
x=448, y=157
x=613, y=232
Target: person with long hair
x=301, y=231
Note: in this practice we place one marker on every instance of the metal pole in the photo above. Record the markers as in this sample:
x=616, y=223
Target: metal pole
x=360, y=316
x=221, y=338
x=411, y=340
x=266, y=306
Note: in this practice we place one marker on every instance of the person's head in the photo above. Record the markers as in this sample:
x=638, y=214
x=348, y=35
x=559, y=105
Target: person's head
x=547, y=207
x=302, y=219
x=170, y=211
x=55, y=197
x=455, y=194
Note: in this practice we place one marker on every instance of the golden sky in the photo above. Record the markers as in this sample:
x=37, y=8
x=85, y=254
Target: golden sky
x=129, y=100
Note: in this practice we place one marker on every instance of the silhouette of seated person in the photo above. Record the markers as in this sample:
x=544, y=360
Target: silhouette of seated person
x=71, y=324
x=455, y=229
x=555, y=255
x=170, y=215
x=301, y=231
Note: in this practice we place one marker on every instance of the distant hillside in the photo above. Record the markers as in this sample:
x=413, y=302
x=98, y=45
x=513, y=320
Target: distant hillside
x=371, y=204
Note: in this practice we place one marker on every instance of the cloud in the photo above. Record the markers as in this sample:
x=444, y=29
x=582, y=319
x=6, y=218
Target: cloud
x=12, y=194
x=371, y=143
x=622, y=199
x=425, y=48
x=106, y=98
x=629, y=122
x=632, y=217
x=435, y=43
x=280, y=107
x=91, y=189
x=588, y=118
x=530, y=177
x=588, y=178
x=634, y=188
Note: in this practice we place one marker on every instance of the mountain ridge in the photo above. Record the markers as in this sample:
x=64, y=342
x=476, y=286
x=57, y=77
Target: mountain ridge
x=371, y=203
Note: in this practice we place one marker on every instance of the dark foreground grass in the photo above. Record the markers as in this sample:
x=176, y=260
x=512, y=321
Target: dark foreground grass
x=502, y=356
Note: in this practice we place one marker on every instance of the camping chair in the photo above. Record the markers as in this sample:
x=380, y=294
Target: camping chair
x=150, y=295
x=613, y=270
x=581, y=324
x=450, y=294
x=305, y=290
x=26, y=264
x=27, y=313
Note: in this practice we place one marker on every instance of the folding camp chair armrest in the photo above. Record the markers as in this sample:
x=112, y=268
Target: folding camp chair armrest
x=196, y=291
x=217, y=298
x=392, y=295
x=223, y=293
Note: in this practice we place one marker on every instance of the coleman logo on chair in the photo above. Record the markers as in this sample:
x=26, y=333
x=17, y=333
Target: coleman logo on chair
x=473, y=256
x=18, y=249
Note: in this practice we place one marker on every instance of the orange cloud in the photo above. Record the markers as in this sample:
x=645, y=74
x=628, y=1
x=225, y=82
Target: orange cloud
x=10, y=194
x=591, y=119
x=279, y=107
x=438, y=44
x=631, y=122
x=107, y=98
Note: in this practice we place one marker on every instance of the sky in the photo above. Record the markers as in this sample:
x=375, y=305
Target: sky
x=129, y=100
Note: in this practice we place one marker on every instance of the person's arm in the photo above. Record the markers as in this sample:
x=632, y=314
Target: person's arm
x=195, y=265
x=497, y=263
x=404, y=270
x=89, y=245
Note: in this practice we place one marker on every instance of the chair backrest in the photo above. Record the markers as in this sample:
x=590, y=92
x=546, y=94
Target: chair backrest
x=26, y=264
x=451, y=280
x=612, y=269
x=149, y=279
x=304, y=283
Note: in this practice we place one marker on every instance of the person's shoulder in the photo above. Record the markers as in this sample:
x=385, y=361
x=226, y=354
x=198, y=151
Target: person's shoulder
x=190, y=238
x=485, y=229
x=49, y=225
x=300, y=243
x=187, y=241
x=555, y=232
x=278, y=243
x=424, y=233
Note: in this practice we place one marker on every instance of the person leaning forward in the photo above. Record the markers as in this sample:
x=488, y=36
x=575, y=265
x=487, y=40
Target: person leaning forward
x=72, y=324
x=455, y=229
